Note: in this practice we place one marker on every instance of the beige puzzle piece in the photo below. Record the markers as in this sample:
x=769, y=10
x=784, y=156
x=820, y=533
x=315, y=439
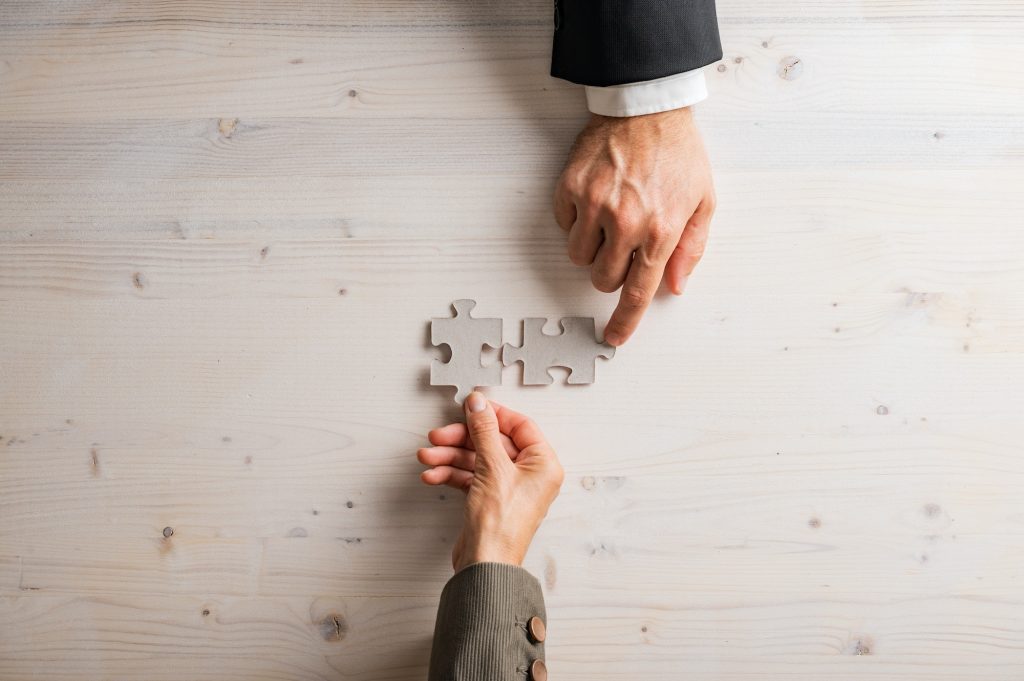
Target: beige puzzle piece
x=576, y=349
x=466, y=336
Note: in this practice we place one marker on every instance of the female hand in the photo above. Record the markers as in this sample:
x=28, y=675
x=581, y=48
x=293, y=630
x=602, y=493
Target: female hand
x=509, y=473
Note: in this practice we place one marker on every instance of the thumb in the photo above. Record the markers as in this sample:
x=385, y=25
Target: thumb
x=482, y=424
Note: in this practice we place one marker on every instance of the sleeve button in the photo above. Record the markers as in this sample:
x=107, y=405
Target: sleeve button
x=538, y=671
x=535, y=627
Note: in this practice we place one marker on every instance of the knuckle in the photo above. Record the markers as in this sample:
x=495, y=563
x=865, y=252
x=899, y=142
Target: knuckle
x=557, y=478
x=616, y=231
x=695, y=253
x=565, y=197
x=567, y=184
x=604, y=280
x=634, y=297
x=580, y=252
x=577, y=258
x=712, y=197
x=660, y=235
x=626, y=219
x=592, y=196
x=482, y=428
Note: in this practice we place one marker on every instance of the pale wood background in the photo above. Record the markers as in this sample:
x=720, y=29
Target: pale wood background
x=224, y=226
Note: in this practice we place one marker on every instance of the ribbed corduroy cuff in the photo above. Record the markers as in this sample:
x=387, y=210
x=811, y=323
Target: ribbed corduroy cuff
x=481, y=628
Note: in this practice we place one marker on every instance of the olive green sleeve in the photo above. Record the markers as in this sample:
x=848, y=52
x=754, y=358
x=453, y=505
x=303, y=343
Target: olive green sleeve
x=483, y=630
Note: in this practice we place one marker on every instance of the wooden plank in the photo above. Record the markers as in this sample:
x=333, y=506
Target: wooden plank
x=272, y=521
x=755, y=206
x=184, y=70
x=215, y=637
x=324, y=637
x=343, y=272
x=226, y=149
x=398, y=14
x=285, y=356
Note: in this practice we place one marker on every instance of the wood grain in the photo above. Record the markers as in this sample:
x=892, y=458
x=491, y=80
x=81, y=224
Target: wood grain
x=224, y=226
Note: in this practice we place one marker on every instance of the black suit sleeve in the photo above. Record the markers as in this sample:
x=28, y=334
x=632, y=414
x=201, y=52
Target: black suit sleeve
x=610, y=42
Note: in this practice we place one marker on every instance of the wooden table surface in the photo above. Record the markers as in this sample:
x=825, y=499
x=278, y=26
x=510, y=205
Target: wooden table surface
x=224, y=226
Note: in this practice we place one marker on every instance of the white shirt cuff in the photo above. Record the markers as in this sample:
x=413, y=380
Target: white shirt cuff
x=648, y=96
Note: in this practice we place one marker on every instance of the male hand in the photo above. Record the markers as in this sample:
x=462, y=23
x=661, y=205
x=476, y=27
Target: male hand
x=636, y=197
x=510, y=475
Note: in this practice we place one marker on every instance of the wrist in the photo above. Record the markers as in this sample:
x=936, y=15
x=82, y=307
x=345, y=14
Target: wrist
x=483, y=551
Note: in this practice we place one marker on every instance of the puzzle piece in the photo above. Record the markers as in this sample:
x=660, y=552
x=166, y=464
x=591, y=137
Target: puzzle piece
x=576, y=348
x=466, y=336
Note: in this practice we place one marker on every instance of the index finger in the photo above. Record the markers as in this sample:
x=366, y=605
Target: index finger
x=641, y=284
x=519, y=427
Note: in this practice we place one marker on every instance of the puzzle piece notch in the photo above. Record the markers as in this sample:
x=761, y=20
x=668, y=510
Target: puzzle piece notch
x=576, y=349
x=465, y=336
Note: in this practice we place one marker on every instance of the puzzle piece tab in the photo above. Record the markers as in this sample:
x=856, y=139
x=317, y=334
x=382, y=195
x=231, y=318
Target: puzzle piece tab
x=576, y=348
x=465, y=336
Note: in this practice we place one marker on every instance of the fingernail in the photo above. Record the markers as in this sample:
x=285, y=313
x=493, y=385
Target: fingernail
x=476, y=402
x=681, y=284
x=613, y=339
